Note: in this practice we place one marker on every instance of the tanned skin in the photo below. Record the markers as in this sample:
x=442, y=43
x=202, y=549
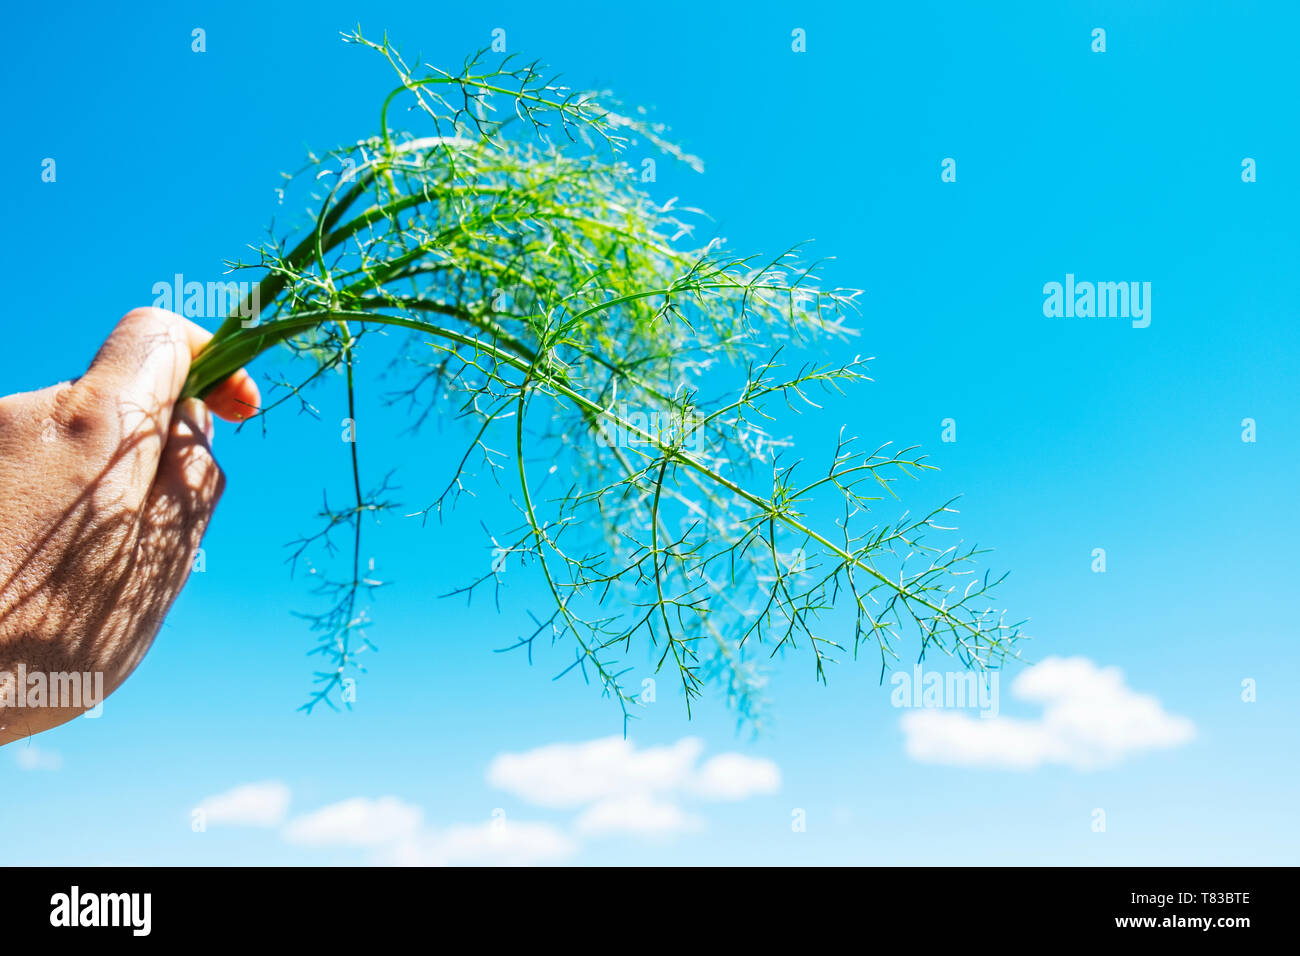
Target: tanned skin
x=107, y=485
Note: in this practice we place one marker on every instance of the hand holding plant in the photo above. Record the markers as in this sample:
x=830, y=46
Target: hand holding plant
x=555, y=310
x=106, y=487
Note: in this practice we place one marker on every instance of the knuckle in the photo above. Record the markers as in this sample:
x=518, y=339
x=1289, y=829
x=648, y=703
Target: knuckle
x=139, y=334
x=78, y=414
x=151, y=316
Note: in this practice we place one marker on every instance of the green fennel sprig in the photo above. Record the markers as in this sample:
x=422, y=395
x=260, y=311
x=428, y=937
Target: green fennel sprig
x=552, y=306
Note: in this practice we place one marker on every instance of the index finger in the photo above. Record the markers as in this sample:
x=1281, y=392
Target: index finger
x=145, y=361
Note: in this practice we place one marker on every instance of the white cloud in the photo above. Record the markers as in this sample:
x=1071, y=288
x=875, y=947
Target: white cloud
x=614, y=787
x=735, y=777
x=1090, y=719
x=357, y=822
x=252, y=805
x=636, y=813
x=937, y=736
x=574, y=775
x=29, y=757
x=394, y=830
x=623, y=789
x=493, y=843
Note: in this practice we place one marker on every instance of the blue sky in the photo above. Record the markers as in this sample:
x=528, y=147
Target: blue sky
x=1072, y=434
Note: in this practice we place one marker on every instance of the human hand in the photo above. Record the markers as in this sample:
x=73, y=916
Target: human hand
x=107, y=485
